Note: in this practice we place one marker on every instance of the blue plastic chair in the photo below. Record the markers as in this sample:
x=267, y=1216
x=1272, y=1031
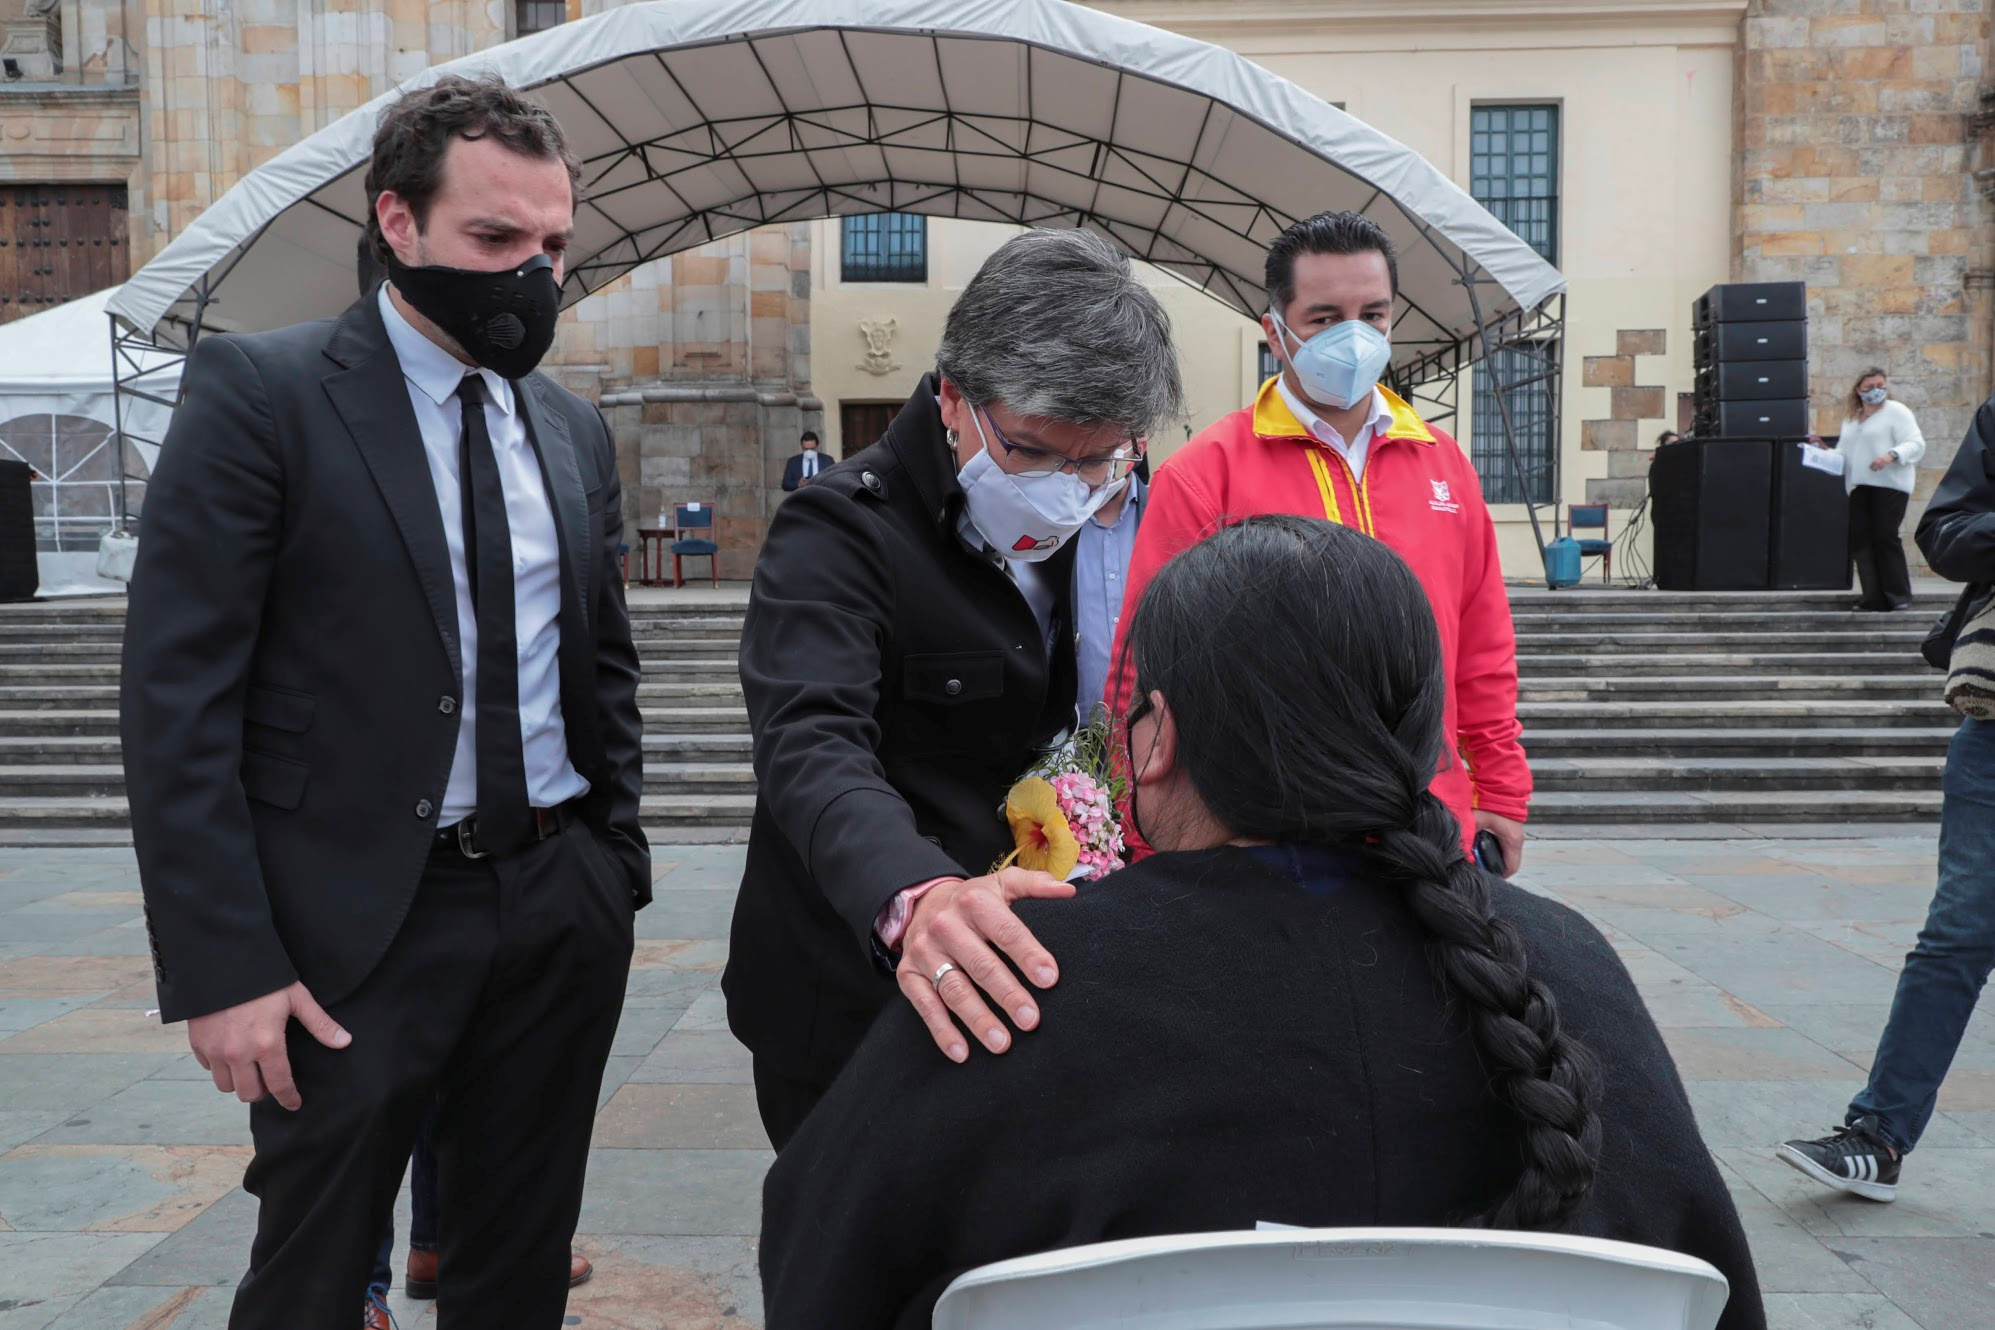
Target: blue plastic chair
x=693, y=517
x=1593, y=517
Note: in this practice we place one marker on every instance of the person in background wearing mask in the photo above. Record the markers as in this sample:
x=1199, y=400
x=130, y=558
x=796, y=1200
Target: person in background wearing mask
x=1101, y=571
x=803, y=468
x=381, y=736
x=1881, y=446
x=909, y=652
x=1324, y=440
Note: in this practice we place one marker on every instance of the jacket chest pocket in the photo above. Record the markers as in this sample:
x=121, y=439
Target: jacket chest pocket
x=956, y=679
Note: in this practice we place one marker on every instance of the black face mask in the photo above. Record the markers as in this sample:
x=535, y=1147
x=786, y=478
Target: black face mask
x=504, y=320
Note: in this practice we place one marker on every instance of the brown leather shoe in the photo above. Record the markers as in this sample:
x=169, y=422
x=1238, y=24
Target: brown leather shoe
x=376, y=1317
x=421, y=1280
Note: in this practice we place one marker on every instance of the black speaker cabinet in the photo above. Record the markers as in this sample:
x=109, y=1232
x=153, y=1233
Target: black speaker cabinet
x=19, y=578
x=1732, y=420
x=1811, y=524
x=1713, y=504
x=1724, y=342
x=1753, y=380
x=1738, y=302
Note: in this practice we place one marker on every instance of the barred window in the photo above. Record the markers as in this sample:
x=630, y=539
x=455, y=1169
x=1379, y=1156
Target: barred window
x=884, y=247
x=538, y=15
x=1514, y=172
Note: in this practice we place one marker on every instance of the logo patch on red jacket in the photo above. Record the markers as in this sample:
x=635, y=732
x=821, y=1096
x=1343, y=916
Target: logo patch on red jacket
x=1444, y=498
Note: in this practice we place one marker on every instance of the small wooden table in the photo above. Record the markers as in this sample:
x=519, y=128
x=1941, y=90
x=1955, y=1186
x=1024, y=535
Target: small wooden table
x=654, y=549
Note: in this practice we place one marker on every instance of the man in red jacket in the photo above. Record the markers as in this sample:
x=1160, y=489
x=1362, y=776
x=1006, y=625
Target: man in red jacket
x=1322, y=439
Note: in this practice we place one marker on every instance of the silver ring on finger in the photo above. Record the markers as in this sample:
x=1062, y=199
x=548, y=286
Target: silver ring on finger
x=942, y=970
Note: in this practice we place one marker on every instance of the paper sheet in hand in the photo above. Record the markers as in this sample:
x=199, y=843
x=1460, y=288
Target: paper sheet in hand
x=1821, y=459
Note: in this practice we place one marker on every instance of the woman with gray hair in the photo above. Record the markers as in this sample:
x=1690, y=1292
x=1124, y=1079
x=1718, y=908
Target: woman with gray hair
x=909, y=651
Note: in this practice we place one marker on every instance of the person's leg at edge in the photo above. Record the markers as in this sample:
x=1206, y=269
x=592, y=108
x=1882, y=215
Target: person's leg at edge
x=1894, y=578
x=420, y=1281
x=784, y=1103
x=1950, y=963
x=326, y=1176
x=519, y=1099
x=1862, y=552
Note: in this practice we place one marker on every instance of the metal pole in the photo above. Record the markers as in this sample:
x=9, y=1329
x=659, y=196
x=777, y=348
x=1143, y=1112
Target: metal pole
x=1498, y=391
x=118, y=424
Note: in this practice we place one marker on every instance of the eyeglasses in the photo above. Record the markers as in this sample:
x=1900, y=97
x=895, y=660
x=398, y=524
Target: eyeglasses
x=1093, y=471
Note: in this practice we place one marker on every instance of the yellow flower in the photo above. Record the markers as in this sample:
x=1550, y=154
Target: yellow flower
x=1045, y=842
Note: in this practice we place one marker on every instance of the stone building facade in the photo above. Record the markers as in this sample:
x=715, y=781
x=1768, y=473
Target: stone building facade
x=1856, y=130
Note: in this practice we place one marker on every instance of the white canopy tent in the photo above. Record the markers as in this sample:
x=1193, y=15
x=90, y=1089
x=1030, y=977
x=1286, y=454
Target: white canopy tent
x=59, y=414
x=695, y=120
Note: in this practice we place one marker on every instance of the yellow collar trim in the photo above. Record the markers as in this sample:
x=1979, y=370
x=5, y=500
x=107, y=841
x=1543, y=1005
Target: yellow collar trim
x=1273, y=419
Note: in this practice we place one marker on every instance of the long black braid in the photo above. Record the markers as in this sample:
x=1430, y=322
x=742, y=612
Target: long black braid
x=1304, y=672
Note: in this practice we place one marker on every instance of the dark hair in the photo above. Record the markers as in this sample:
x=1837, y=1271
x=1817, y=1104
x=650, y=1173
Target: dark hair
x=810, y=434
x=415, y=133
x=1325, y=233
x=367, y=269
x=1328, y=732
x=1856, y=402
x=1666, y=436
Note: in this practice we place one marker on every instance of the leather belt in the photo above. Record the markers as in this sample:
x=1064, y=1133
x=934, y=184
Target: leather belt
x=462, y=837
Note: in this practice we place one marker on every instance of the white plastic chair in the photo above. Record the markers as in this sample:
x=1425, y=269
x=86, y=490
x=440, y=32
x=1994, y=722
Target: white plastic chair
x=1341, y=1279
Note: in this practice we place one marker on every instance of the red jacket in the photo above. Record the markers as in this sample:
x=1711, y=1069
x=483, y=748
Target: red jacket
x=1420, y=496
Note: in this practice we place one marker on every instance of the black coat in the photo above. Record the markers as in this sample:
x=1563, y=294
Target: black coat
x=1222, y=1048
x=897, y=685
x=1957, y=532
x=291, y=667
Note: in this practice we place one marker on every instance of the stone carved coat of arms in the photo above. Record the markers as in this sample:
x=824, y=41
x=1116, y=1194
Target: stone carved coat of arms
x=879, y=336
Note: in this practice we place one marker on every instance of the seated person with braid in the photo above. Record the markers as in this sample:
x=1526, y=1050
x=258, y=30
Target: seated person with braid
x=1307, y=1008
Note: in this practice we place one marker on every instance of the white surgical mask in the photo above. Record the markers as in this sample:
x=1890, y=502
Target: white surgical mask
x=1026, y=518
x=1874, y=395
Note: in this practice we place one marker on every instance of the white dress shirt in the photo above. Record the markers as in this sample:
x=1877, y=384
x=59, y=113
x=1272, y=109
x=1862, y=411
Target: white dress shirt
x=1352, y=451
x=433, y=376
x=810, y=464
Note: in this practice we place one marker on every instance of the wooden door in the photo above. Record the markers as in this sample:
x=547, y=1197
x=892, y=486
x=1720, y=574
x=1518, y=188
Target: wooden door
x=58, y=242
x=860, y=424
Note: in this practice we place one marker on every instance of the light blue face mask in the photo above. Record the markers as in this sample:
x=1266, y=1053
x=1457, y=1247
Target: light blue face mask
x=1339, y=366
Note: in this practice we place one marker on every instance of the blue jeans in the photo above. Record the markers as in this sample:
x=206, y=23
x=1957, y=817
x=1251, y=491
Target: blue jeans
x=1953, y=957
x=422, y=1208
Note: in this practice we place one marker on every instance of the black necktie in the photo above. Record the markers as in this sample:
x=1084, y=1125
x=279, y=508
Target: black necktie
x=503, y=815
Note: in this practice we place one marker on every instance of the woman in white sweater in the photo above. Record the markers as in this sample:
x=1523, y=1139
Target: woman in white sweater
x=1881, y=447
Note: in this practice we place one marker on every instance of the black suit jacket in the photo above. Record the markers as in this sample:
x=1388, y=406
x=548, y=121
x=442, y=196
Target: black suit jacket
x=897, y=685
x=291, y=665
x=793, y=470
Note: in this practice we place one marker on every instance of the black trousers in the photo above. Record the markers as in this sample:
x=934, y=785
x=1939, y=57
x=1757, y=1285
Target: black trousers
x=783, y=1103
x=498, y=999
x=1876, y=513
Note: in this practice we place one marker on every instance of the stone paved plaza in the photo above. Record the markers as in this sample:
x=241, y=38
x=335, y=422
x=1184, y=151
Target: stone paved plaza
x=1769, y=964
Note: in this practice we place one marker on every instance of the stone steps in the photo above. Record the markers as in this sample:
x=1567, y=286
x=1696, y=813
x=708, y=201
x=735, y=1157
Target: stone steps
x=1843, y=689
x=1638, y=708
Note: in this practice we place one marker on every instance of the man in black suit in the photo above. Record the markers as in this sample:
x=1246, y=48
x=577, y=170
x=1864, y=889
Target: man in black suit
x=803, y=468
x=909, y=652
x=381, y=735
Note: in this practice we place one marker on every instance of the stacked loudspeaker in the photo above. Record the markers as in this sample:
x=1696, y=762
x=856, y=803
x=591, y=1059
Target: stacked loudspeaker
x=1752, y=361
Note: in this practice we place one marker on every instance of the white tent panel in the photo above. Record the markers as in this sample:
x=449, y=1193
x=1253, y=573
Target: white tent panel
x=697, y=120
